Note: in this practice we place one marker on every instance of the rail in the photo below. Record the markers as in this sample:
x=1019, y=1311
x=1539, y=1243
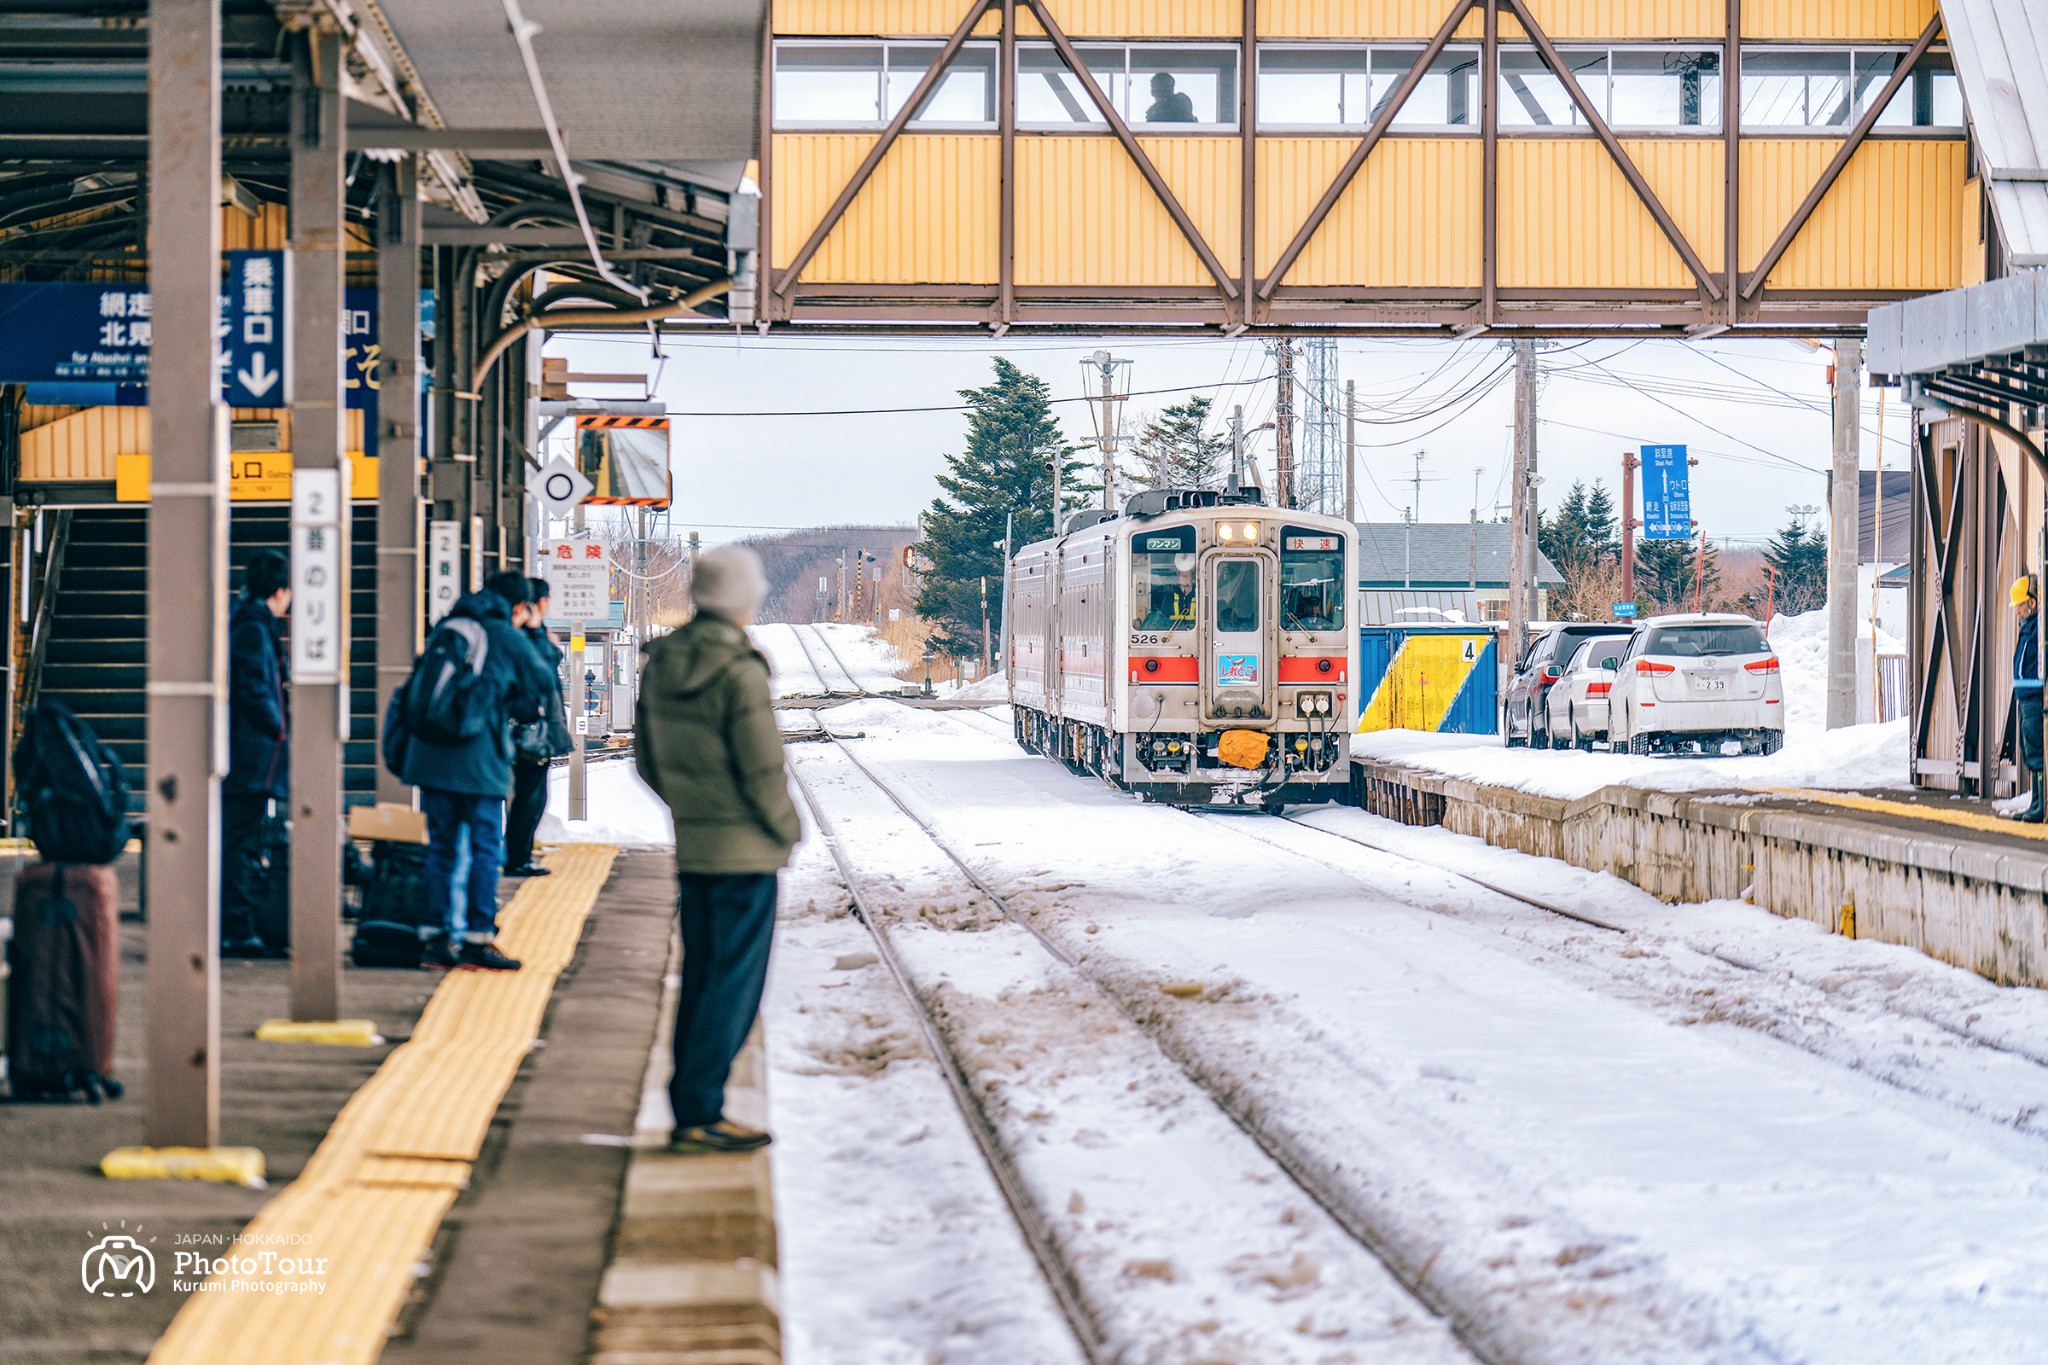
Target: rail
x=1023, y=1208
x=1412, y=1278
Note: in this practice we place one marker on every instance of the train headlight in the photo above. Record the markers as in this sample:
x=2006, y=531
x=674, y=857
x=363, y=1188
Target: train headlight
x=1225, y=531
x=1251, y=530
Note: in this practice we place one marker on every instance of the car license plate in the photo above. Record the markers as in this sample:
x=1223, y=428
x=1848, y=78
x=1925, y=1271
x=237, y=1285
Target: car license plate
x=1710, y=684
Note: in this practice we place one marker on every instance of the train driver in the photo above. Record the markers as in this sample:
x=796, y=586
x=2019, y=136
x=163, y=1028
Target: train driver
x=1173, y=604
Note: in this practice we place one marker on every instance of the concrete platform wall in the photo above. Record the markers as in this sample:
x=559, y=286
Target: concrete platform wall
x=1977, y=905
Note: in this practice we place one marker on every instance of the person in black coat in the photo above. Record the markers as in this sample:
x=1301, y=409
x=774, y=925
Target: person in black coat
x=254, y=915
x=463, y=786
x=535, y=744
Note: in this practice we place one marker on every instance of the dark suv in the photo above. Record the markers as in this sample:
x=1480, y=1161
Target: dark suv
x=1525, y=712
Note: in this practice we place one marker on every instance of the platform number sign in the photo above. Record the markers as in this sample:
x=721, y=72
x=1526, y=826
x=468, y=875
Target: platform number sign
x=444, y=568
x=1471, y=651
x=319, y=611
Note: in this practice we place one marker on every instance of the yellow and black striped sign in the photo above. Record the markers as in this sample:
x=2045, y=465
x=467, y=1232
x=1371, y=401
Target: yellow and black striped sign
x=595, y=422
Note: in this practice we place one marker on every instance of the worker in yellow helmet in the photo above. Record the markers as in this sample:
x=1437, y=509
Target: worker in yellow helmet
x=2026, y=687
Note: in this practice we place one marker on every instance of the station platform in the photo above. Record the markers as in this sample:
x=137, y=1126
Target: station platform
x=1945, y=874
x=483, y=1186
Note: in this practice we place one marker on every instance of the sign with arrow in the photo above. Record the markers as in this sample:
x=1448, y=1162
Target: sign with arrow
x=558, y=486
x=1667, y=493
x=255, y=344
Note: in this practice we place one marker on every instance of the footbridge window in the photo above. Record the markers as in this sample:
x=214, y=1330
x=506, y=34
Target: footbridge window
x=1331, y=86
x=1649, y=88
x=864, y=85
x=1152, y=86
x=1834, y=87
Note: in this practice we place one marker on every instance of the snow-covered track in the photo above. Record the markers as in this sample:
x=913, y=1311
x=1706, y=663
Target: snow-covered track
x=833, y=676
x=838, y=662
x=1031, y=1223
x=795, y=675
x=1182, y=1242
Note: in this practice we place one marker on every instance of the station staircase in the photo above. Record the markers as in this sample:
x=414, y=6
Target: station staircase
x=91, y=628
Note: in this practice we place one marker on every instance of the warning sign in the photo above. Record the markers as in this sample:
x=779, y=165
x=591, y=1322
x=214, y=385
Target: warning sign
x=579, y=581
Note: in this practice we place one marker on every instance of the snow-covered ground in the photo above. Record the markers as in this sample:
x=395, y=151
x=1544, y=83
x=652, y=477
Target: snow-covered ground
x=1715, y=1136
x=1860, y=756
x=873, y=661
x=790, y=670
x=621, y=808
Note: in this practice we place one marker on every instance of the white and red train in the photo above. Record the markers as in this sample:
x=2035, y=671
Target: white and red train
x=1196, y=649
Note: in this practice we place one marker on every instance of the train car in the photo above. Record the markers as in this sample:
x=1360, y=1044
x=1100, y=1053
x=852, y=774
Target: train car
x=1195, y=649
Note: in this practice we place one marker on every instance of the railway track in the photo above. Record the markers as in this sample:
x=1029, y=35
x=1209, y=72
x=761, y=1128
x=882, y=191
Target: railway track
x=804, y=637
x=1072, y=1257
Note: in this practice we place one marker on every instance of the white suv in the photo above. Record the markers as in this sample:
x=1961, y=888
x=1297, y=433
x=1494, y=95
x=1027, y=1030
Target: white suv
x=1704, y=683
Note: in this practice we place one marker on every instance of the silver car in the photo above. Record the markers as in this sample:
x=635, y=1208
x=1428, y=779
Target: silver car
x=1698, y=683
x=1578, y=700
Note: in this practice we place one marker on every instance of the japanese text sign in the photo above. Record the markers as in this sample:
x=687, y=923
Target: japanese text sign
x=319, y=571
x=255, y=342
x=444, y=559
x=1667, y=494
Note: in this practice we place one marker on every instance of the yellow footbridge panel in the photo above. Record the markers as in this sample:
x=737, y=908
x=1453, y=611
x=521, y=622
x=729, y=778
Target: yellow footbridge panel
x=348, y=1238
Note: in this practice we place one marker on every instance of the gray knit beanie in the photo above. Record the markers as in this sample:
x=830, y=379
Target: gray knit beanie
x=729, y=583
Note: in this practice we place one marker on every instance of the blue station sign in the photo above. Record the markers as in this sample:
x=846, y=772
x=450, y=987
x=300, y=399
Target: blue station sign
x=1667, y=494
x=92, y=340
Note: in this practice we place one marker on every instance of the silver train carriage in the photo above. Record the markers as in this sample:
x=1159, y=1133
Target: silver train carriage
x=1194, y=649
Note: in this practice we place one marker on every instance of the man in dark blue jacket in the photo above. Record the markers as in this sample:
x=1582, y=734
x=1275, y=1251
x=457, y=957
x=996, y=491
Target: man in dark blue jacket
x=254, y=914
x=463, y=786
x=2026, y=689
x=535, y=744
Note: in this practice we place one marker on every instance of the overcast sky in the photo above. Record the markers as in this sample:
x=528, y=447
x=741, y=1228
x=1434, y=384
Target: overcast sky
x=1754, y=413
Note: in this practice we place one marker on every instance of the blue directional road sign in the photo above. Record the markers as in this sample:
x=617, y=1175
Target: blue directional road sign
x=1667, y=494
x=255, y=342
x=1624, y=611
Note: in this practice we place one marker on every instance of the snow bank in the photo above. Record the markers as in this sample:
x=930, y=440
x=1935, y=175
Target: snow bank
x=623, y=810
x=995, y=687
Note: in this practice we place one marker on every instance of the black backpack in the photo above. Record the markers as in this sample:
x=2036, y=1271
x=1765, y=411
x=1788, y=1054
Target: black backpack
x=448, y=698
x=72, y=787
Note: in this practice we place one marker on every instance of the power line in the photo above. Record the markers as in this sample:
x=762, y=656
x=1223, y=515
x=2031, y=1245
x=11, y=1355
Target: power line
x=950, y=407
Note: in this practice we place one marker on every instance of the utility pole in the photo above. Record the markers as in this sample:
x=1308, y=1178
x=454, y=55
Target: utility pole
x=579, y=707
x=1283, y=425
x=1351, y=450
x=1236, y=447
x=1848, y=383
x=1629, y=465
x=1521, y=546
x=1472, y=583
x=984, y=625
x=1109, y=420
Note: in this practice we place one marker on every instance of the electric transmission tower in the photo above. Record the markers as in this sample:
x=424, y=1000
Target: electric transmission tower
x=1319, y=467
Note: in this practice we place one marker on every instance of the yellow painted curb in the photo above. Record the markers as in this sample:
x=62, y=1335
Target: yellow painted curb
x=232, y=1165
x=340, y=1032
x=370, y=1198
x=1988, y=824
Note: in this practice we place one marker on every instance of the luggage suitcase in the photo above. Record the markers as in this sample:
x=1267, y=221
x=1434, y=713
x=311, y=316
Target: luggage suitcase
x=394, y=904
x=255, y=893
x=65, y=958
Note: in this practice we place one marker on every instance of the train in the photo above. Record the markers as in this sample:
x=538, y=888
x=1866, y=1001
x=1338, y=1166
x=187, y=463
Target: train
x=1193, y=649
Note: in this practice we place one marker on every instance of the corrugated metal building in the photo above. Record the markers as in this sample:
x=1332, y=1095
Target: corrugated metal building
x=1407, y=573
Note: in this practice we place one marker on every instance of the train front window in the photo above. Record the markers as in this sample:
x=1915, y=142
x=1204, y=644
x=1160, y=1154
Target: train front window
x=1163, y=579
x=1237, y=596
x=1311, y=581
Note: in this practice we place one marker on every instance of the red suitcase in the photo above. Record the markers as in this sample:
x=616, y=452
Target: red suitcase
x=66, y=960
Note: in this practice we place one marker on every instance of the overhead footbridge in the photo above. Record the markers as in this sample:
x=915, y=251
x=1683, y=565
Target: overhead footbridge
x=1424, y=167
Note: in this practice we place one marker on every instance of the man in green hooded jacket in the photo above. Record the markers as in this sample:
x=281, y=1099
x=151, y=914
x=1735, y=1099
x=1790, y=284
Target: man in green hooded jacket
x=705, y=740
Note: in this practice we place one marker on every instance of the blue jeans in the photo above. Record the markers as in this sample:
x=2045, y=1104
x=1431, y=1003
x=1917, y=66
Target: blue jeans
x=727, y=922
x=457, y=824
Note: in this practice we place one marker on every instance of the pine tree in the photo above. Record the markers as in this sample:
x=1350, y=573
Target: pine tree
x=1174, y=453
x=1005, y=470
x=1665, y=570
x=1800, y=558
x=1582, y=532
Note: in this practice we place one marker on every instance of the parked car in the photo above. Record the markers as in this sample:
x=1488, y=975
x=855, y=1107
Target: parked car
x=1577, y=703
x=1699, y=683
x=1525, y=718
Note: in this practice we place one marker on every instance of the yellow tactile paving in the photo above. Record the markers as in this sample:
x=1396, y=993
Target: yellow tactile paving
x=367, y=1204
x=1989, y=824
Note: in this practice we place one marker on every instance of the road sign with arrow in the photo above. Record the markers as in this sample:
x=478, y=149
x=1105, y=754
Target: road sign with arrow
x=558, y=486
x=255, y=343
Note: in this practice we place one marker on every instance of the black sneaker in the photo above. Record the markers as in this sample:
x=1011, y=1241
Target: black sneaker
x=486, y=957
x=438, y=952
x=530, y=870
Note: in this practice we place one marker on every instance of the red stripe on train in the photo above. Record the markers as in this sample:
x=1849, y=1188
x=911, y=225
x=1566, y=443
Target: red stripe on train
x=1166, y=670
x=1298, y=670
